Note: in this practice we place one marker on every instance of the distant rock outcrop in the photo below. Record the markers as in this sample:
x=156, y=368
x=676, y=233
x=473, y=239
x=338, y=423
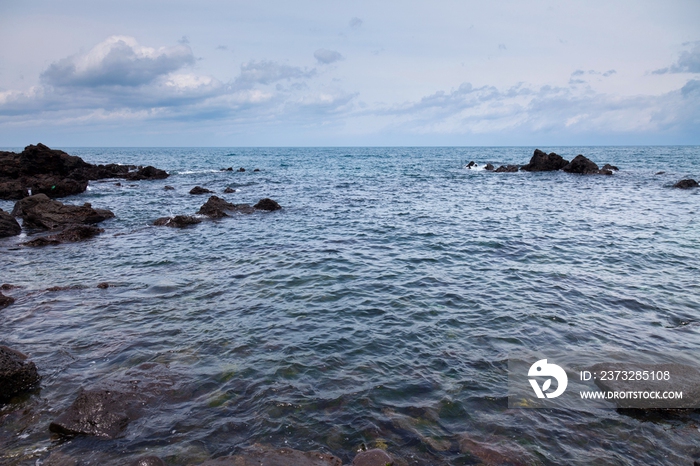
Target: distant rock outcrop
x=178, y=221
x=542, y=162
x=200, y=190
x=267, y=204
x=39, y=169
x=686, y=184
x=215, y=207
x=507, y=169
x=39, y=211
x=16, y=374
x=583, y=166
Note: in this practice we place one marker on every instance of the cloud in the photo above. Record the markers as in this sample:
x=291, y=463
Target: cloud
x=325, y=56
x=118, y=61
x=355, y=23
x=688, y=61
x=268, y=72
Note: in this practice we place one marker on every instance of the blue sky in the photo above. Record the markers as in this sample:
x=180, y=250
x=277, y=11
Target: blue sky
x=331, y=73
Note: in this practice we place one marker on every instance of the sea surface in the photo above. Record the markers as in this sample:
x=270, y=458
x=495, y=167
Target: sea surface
x=378, y=308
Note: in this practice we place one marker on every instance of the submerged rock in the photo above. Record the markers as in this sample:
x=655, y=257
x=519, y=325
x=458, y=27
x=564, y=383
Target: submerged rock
x=267, y=204
x=72, y=234
x=507, y=169
x=16, y=374
x=374, y=457
x=199, y=190
x=178, y=221
x=686, y=184
x=6, y=301
x=229, y=190
x=583, y=166
x=100, y=413
x=8, y=225
x=259, y=455
x=168, y=188
x=103, y=285
x=39, y=211
x=542, y=162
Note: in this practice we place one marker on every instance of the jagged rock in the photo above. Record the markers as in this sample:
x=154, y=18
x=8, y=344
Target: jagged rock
x=8, y=225
x=178, y=221
x=39, y=211
x=584, y=166
x=241, y=169
x=374, y=457
x=607, y=166
x=507, y=169
x=471, y=164
x=100, y=413
x=57, y=174
x=72, y=234
x=259, y=455
x=199, y=190
x=6, y=300
x=489, y=167
x=686, y=184
x=147, y=173
x=542, y=162
x=267, y=204
x=215, y=207
x=16, y=374
x=229, y=191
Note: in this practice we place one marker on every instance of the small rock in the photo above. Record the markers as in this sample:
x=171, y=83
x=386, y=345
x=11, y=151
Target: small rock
x=686, y=184
x=101, y=413
x=489, y=167
x=374, y=457
x=542, y=162
x=16, y=375
x=103, y=285
x=607, y=166
x=584, y=166
x=8, y=287
x=267, y=204
x=659, y=173
x=229, y=169
x=148, y=461
x=241, y=169
x=471, y=164
x=72, y=234
x=168, y=188
x=6, y=301
x=64, y=288
x=215, y=207
x=147, y=173
x=179, y=221
x=8, y=225
x=256, y=170
x=199, y=190
x=229, y=191
x=507, y=169
x=117, y=184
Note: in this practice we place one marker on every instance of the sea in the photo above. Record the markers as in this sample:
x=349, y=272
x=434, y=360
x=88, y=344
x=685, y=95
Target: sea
x=377, y=309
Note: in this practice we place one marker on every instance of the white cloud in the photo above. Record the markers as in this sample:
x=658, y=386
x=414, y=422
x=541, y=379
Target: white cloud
x=325, y=56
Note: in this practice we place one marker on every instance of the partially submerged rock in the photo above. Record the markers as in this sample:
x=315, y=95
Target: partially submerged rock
x=199, y=190
x=168, y=188
x=147, y=173
x=542, y=162
x=267, y=204
x=178, y=221
x=229, y=190
x=72, y=234
x=489, y=167
x=607, y=166
x=8, y=225
x=100, y=413
x=584, y=166
x=507, y=169
x=16, y=374
x=686, y=184
x=259, y=455
x=6, y=301
x=215, y=207
x=241, y=169
x=374, y=457
x=39, y=211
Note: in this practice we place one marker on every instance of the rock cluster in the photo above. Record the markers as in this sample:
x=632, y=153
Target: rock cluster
x=542, y=162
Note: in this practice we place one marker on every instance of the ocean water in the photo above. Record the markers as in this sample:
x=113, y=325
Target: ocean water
x=377, y=308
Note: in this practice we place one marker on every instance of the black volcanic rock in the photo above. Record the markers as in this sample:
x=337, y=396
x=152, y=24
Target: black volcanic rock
x=100, y=413
x=39, y=169
x=267, y=204
x=179, y=221
x=542, y=162
x=72, y=234
x=583, y=166
x=686, y=184
x=507, y=169
x=8, y=225
x=39, y=211
x=199, y=190
x=16, y=374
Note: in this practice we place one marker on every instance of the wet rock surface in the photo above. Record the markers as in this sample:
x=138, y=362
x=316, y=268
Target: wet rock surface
x=6, y=300
x=374, y=457
x=148, y=461
x=178, y=221
x=39, y=211
x=607, y=166
x=229, y=191
x=489, y=167
x=686, y=184
x=215, y=207
x=199, y=190
x=265, y=456
x=267, y=204
x=9, y=226
x=58, y=174
x=72, y=234
x=542, y=162
x=16, y=373
x=100, y=413
x=507, y=169
x=584, y=166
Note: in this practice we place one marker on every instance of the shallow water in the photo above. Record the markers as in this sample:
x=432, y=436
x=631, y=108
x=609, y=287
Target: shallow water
x=379, y=307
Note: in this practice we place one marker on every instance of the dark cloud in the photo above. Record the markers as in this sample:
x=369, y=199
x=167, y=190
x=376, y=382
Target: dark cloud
x=688, y=61
x=325, y=56
x=118, y=61
x=355, y=22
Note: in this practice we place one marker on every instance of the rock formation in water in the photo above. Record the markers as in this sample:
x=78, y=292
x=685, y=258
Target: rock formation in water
x=507, y=169
x=199, y=190
x=16, y=374
x=100, y=413
x=8, y=225
x=686, y=184
x=39, y=169
x=267, y=204
x=38, y=211
x=72, y=234
x=583, y=166
x=542, y=162
x=178, y=221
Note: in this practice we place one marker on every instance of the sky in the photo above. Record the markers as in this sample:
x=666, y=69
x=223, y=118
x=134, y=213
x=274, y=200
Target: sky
x=339, y=73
